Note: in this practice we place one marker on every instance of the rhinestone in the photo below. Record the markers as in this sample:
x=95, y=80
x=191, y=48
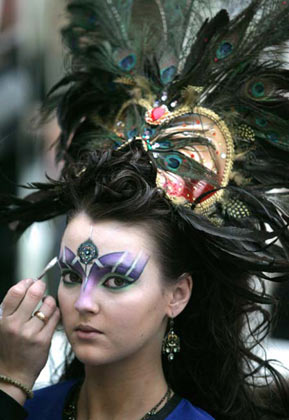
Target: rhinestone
x=157, y=113
x=87, y=252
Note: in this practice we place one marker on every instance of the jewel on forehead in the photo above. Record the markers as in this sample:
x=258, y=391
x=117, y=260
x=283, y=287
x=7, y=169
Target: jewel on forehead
x=87, y=252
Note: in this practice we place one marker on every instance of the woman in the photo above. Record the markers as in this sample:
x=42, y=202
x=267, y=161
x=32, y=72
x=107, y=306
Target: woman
x=171, y=155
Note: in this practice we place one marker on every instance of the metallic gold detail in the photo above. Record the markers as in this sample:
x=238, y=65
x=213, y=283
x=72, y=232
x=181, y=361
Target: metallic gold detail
x=144, y=144
x=201, y=207
x=236, y=209
x=216, y=220
x=122, y=146
x=207, y=206
x=147, y=100
x=246, y=132
x=173, y=199
x=40, y=315
x=139, y=82
x=198, y=89
x=125, y=80
x=174, y=114
x=24, y=388
x=171, y=343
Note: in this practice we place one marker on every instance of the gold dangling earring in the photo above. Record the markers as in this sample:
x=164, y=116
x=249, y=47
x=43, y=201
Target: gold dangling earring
x=171, y=342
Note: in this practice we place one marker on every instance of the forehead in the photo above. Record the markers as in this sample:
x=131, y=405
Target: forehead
x=108, y=235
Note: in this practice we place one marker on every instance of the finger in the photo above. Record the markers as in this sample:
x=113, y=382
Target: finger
x=47, y=308
x=14, y=296
x=31, y=299
x=47, y=332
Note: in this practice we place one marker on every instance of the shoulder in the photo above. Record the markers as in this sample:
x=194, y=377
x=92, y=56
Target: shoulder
x=49, y=398
x=187, y=411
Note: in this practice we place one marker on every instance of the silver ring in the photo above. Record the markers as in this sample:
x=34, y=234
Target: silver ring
x=40, y=315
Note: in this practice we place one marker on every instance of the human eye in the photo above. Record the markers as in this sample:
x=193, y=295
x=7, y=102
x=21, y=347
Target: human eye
x=116, y=282
x=70, y=277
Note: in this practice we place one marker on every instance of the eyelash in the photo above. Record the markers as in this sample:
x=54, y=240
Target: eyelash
x=115, y=278
x=68, y=273
x=107, y=279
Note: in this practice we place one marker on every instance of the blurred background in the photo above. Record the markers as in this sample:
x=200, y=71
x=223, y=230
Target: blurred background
x=31, y=61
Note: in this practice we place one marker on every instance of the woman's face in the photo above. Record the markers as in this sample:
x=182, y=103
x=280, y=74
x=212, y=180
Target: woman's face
x=119, y=292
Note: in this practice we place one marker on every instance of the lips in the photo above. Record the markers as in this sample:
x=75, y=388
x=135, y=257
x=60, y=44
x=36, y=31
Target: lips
x=87, y=329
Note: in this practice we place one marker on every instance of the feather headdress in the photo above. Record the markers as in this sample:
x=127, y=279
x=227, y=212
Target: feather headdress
x=207, y=97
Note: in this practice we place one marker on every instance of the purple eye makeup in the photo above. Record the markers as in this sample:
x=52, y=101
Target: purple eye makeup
x=115, y=270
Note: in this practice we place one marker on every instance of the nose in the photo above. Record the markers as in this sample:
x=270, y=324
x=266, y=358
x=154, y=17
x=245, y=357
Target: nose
x=87, y=299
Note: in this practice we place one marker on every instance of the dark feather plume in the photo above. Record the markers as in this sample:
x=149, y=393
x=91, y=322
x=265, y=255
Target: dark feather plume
x=120, y=52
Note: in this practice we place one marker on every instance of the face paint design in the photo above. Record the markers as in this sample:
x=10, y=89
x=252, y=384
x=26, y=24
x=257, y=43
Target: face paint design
x=119, y=267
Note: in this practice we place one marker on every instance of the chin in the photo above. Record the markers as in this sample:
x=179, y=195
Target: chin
x=93, y=355
x=97, y=356
x=97, y=361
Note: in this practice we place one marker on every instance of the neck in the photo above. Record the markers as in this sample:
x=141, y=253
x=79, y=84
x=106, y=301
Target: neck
x=127, y=389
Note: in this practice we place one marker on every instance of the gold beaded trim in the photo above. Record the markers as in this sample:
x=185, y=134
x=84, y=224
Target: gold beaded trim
x=205, y=207
x=174, y=114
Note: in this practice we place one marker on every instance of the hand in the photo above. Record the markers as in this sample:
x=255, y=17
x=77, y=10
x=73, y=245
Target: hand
x=25, y=340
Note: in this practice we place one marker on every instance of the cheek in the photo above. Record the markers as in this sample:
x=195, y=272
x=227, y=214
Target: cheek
x=138, y=315
x=66, y=299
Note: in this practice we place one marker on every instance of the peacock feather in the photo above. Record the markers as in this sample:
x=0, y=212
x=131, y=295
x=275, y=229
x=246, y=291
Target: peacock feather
x=204, y=93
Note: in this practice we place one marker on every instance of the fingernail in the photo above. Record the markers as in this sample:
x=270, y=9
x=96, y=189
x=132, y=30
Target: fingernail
x=28, y=281
x=41, y=284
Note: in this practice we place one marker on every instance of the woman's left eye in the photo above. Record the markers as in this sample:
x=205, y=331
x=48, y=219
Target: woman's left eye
x=116, y=283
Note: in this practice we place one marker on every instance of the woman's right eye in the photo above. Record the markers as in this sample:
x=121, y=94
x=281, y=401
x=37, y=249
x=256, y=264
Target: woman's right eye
x=69, y=277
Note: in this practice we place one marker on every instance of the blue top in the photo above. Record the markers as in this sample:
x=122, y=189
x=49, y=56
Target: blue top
x=48, y=403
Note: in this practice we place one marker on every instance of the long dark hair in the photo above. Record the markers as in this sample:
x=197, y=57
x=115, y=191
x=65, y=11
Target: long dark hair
x=226, y=318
